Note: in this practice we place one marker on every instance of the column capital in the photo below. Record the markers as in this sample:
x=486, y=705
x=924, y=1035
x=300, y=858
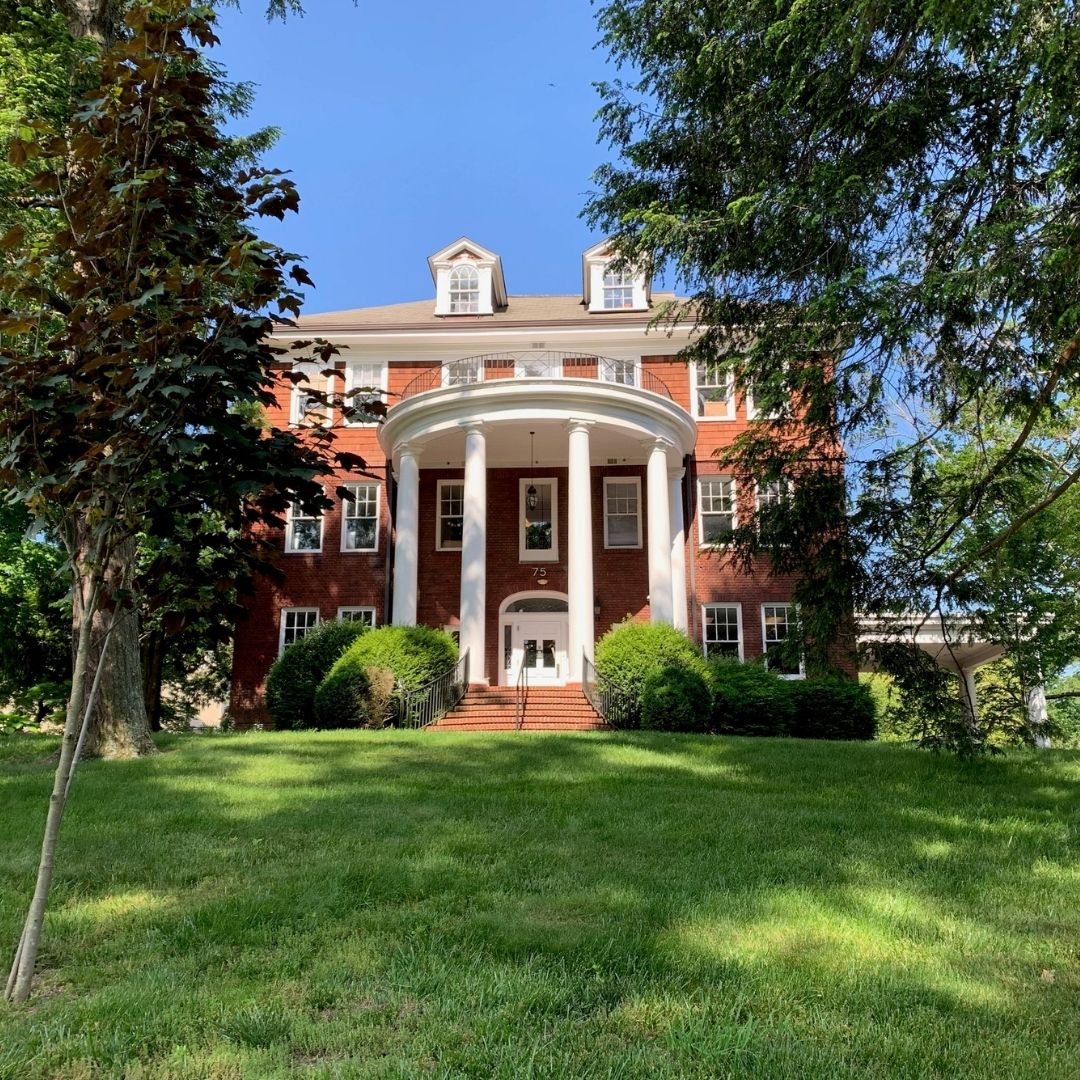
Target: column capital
x=471, y=426
x=406, y=449
x=577, y=424
x=658, y=442
x=677, y=473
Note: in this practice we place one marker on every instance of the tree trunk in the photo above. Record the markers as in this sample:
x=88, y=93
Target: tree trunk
x=118, y=724
x=98, y=20
x=153, y=661
x=21, y=977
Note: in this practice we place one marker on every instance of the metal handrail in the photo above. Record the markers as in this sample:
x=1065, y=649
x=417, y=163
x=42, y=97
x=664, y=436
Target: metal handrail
x=421, y=707
x=521, y=695
x=614, y=704
x=536, y=364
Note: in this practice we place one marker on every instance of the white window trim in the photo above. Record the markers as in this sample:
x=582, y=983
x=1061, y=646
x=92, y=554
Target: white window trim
x=752, y=412
x=295, y=419
x=439, y=485
x=345, y=519
x=450, y=290
x=694, y=399
x=351, y=383
x=714, y=545
x=289, y=548
x=738, y=615
x=604, y=374
x=528, y=556
x=341, y=612
x=459, y=360
x=764, y=647
x=282, y=612
x=636, y=480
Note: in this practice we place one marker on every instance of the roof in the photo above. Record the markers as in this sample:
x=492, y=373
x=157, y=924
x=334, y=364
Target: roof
x=520, y=311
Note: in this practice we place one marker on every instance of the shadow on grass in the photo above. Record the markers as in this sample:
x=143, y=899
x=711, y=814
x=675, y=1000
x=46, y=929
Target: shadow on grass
x=678, y=904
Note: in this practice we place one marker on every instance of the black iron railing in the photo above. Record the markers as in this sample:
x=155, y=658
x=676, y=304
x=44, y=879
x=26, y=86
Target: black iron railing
x=614, y=705
x=521, y=695
x=423, y=706
x=491, y=367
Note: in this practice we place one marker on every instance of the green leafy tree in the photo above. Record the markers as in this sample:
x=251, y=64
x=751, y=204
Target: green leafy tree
x=35, y=614
x=874, y=208
x=134, y=328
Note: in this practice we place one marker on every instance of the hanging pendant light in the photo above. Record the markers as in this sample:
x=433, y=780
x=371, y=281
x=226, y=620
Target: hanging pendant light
x=531, y=496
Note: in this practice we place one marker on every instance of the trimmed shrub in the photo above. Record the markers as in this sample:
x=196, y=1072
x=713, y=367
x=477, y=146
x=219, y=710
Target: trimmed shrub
x=632, y=651
x=676, y=699
x=359, y=689
x=833, y=709
x=748, y=699
x=296, y=674
x=342, y=699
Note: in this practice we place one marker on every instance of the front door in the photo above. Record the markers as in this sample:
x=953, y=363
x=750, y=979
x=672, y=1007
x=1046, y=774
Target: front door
x=539, y=643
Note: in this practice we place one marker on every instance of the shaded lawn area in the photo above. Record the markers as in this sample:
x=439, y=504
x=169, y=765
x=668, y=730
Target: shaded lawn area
x=574, y=905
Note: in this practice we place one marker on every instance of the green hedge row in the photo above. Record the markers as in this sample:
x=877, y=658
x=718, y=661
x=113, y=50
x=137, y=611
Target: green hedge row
x=342, y=674
x=675, y=689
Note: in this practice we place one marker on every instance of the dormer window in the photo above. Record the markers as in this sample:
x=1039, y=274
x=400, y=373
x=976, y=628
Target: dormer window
x=618, y=290
x=468, y=280
x=605, y=288
x=464, y=290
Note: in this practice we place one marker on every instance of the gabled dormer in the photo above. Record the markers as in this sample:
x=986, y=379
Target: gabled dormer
x=607, y=289
x=468, y=279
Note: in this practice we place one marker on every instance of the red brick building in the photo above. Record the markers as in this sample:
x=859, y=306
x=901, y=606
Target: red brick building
x=545, y=469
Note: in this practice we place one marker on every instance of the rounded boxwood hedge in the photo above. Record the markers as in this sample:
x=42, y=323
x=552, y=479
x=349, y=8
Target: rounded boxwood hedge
x=676, y=699
x=632, y=651
x=833, y=708
x=295, y=676
x=358, y=689
x=748, y=699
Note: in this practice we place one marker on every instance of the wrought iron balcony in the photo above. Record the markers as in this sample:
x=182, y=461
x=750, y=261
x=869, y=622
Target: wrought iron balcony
x=530, y=364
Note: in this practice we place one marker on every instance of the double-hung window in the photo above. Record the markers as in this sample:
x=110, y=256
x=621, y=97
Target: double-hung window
x=620, y=371
x=776, y=625
x=714, y=394
x=618, y=290
x=295, y=623
x=450, y=496
x=365, y=385
x=365, y=615
x=463, y=372
x=360, y=518
x=303, y=531
x=622, y=512
x=309, y=406
x=716, y=499
x=722, y=633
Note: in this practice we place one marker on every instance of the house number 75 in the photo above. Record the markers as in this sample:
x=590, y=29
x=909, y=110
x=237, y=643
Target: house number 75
x=539, y=571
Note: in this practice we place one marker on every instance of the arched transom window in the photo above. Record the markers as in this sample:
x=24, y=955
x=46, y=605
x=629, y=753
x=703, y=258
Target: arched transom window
x=464, y=290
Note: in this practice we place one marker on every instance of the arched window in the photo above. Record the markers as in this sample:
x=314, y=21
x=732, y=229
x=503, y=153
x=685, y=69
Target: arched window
x=618, y=289
x=464, y=290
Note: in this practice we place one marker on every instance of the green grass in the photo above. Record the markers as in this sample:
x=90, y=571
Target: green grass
x=567, y=906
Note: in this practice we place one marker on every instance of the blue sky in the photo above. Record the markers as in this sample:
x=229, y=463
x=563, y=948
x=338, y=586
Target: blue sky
x=407, y=125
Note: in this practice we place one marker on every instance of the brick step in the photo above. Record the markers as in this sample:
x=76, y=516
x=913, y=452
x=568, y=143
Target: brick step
x=529, y=725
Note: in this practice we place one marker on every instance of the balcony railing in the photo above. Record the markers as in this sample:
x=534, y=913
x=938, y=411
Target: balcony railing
x=492, y=367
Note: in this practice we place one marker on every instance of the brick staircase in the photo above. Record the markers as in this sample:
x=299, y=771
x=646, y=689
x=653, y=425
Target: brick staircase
x=547, y=708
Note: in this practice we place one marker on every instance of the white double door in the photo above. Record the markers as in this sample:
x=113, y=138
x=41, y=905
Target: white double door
x=538, y=642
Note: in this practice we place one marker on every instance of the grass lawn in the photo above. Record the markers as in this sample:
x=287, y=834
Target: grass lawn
x=410, y=905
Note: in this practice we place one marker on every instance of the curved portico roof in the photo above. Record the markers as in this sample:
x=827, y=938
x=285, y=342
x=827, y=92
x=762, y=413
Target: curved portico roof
x=633, y=413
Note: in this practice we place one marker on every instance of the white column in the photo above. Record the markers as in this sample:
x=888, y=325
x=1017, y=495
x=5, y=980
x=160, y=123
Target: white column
x=659, y=533
x=1038, y=717
x=966, y=693
x=678, y=549
x=406, y=542
x=579, y=569
x=474, y=552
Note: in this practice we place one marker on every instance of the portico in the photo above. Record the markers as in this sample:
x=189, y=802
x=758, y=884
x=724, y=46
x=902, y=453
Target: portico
x=543, y=426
